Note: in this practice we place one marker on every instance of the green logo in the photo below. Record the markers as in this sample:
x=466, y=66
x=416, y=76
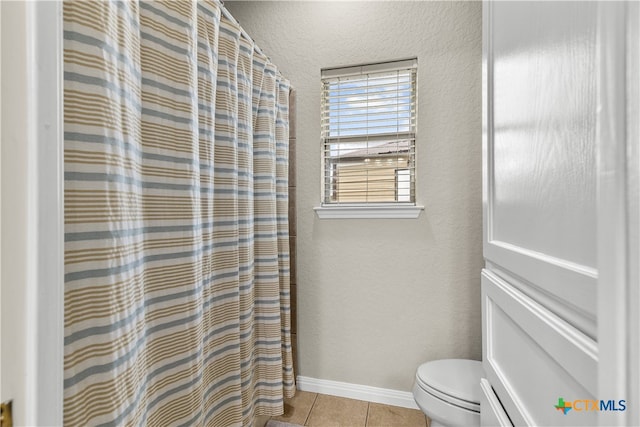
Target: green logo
x=563, y=406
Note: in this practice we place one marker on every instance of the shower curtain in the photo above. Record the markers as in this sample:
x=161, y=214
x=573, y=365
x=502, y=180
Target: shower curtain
x=176, y=218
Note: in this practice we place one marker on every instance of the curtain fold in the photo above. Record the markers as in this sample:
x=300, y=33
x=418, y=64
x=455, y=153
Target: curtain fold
x=176, y=218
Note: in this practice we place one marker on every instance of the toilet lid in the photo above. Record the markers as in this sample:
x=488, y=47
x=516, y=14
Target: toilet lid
x=458, y=378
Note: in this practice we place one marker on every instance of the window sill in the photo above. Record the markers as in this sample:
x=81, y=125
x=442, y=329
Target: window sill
x=368, y=211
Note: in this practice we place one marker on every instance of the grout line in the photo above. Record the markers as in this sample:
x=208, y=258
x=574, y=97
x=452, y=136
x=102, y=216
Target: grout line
x=366, y=419
x=310, y=410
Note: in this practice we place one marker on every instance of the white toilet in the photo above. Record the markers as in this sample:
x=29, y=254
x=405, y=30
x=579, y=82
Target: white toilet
x=448, y=391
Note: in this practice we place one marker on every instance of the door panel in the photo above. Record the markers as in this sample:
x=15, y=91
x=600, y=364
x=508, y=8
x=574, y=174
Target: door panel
x=532, y=357
x=544, y=116
x=541, y=180
x=540, y=157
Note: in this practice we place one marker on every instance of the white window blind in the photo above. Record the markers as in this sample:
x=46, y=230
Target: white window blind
x=369, y=133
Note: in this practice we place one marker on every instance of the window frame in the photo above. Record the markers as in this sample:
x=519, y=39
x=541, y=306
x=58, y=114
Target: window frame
x=385, y=209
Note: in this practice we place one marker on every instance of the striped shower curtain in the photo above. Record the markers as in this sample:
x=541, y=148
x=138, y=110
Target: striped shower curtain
x=176, y=218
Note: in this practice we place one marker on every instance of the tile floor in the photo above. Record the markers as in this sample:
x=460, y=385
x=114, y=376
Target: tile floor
x=313, y=409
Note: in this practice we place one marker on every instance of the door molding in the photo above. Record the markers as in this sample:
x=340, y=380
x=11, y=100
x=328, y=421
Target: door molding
x=618, y=219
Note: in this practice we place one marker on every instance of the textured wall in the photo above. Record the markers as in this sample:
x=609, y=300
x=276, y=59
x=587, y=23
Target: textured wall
x=378, y=297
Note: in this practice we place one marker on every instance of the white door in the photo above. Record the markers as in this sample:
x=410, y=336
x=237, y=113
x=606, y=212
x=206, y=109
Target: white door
x=31, y=287
x=555, y=208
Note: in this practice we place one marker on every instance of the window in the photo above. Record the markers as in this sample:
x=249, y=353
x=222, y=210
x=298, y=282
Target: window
x=369, y=134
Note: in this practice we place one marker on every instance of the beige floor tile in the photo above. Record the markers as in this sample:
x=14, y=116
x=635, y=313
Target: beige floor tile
x=296, y=409
x=260, y=421
x=392, y=416
x=331, y=411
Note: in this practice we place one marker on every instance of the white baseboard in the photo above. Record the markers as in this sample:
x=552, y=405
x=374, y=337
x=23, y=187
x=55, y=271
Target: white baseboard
x=355, y=391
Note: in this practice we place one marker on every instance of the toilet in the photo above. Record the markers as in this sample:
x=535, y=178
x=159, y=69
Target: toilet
x=448, y=391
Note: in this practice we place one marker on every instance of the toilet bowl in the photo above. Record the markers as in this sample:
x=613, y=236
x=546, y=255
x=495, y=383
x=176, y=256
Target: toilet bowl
x=448, y=391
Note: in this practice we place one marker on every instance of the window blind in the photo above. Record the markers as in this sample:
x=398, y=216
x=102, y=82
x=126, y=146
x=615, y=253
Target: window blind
x=368, y=133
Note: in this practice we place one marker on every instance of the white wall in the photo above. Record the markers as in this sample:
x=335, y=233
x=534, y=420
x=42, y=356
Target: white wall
x=32, y=229
x=14, y=211
x=378, y=297
x=1, y=394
